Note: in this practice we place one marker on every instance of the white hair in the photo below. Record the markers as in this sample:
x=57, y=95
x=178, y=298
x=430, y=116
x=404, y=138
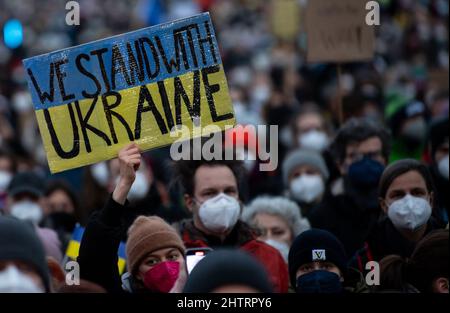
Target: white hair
x=286, y=209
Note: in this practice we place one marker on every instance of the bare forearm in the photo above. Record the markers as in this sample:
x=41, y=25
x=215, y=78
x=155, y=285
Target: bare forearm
x=121, y=191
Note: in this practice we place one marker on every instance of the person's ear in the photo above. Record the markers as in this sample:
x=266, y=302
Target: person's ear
x=189, y=202
x=342, y=168
x=8, y=204
x=440, y=285
x=383, y=205
x=432, y=199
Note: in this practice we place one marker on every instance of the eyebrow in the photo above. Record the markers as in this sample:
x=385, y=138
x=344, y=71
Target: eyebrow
x=157, y=256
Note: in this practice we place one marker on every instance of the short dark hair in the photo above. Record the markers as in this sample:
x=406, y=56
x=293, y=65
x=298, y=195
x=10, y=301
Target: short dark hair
x=305, y=109
x=61, y=185
x=428, y=262
x=357, y=130
x=184, y=171
x=8, y=155
x=401, y=167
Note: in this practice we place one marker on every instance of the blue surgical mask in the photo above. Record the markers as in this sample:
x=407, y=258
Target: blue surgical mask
x=319, y=281
x=365, y=172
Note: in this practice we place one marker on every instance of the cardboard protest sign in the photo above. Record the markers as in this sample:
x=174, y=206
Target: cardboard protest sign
x=285, y=19
x=438, y=78
x=337, y=31
x=92, y=99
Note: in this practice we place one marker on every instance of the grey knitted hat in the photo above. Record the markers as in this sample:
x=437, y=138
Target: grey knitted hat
x=303, y=157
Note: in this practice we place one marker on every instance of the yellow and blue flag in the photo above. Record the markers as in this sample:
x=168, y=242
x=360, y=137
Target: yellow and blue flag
x=73, y=249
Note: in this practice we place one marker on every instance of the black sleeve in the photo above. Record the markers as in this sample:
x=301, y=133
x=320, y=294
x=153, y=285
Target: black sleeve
x=98, y=250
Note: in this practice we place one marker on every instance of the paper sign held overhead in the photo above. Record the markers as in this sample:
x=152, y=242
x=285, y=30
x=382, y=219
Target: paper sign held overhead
x=93, y=99
x=337, y=31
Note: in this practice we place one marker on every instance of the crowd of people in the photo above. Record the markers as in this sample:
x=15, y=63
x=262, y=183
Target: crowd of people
x=372, y=187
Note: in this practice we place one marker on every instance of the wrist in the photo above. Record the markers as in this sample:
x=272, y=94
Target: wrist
x=121, y=191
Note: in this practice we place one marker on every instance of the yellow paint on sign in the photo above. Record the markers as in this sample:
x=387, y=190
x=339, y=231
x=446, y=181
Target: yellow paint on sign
x=91, y=130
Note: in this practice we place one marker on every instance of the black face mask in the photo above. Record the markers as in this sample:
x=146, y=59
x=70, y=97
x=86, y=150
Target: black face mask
x=319, y=281
x=61, y=221
x=365, y=173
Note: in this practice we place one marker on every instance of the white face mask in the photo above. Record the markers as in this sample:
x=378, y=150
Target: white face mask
x=220, y=213
x=14, y=281
x=248, y=157
x=100, y=172
x=140, y=187
x=409, y=212
x=282, y=247
x=314, y=140
x=443, y=167
x=5, y=179
x=261, y=94
x=27, y=211
x=307, y=188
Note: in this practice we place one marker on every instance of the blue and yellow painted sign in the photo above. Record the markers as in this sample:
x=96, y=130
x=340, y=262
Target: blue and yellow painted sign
x=92, y=99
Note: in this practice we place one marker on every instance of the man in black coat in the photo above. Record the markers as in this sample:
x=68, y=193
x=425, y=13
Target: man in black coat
x=350, y=207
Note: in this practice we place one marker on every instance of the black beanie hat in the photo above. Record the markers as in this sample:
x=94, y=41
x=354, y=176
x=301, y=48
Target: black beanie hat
x=19, y=242
x=316, y=245
x=227, y=267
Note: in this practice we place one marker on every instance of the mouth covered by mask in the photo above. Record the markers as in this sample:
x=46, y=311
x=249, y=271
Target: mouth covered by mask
x=14, y=281
x=307, y=188
x=28, y=211
x=443, y=167
x=282, y=247
x=220, y=213
x=100, y=173
x=248, y=157
x=314, y=140
x=409, y=212
x=5, y=179
x=61, y=221
x=319, y=281
x=365, y=172
x=162, y=277
x=140, y=187
x=414, y=133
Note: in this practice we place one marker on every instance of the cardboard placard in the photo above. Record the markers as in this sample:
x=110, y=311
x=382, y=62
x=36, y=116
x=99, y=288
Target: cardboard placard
x=337, y=31
x=92, y=99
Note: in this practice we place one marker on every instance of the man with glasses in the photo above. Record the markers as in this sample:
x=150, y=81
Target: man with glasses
x=350, y=208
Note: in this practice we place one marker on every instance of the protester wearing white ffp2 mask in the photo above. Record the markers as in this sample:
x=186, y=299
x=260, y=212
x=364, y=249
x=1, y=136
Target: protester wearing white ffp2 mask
x=211, y=194
x=305, y=174
x=310, y=129
x=23, y=266
x=406, y=197
x=25, y=196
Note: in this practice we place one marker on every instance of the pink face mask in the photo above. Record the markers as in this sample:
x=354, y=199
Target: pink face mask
x=162, y=277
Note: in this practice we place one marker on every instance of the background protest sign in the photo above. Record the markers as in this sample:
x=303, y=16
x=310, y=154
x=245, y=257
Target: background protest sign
x=92, y=99
x=337, y=31
x=285, y=19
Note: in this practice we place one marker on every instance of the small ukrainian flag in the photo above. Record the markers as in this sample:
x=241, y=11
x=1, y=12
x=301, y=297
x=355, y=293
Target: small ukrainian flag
x=73, y=249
